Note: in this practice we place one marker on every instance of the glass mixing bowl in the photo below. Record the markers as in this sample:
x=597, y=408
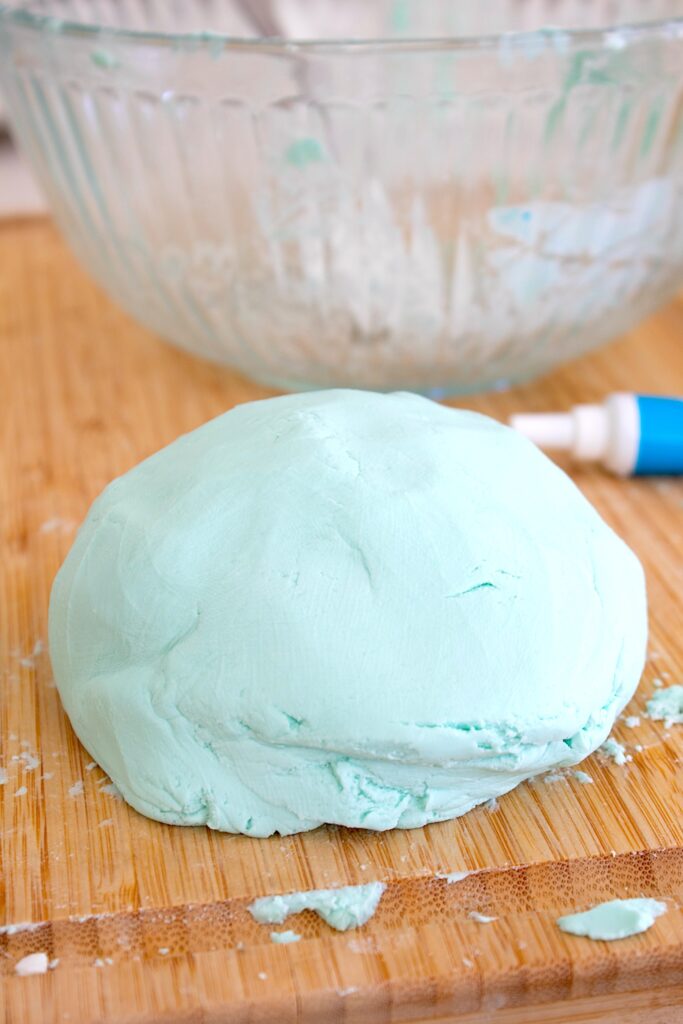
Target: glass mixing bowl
x=421, y=194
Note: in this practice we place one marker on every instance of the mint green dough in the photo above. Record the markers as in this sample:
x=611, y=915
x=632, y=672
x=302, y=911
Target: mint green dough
x=347, y=907
x=618, y=919
x=344, y=607
x=284, y=938
x=667, y=706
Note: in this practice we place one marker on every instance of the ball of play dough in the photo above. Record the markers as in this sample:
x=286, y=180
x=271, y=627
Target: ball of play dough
x=342, y=607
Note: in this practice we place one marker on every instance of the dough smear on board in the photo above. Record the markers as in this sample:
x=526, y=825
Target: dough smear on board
x=616, y=919
x=342, y=607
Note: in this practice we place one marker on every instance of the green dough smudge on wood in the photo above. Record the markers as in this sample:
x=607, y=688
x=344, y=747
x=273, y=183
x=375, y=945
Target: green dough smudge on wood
x=344, y=908
x=616, y=919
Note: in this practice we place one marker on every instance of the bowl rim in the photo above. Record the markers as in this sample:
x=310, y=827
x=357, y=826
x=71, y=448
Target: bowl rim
x=616, y=36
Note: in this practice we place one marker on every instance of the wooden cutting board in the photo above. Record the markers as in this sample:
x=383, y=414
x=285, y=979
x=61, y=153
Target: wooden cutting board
x=148, y=923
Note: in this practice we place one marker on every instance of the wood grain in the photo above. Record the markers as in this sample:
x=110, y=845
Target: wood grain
x=148, y=921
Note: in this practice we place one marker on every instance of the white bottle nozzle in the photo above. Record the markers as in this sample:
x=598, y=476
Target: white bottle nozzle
x=608, y=433
x=592, y=432
x=546, y=429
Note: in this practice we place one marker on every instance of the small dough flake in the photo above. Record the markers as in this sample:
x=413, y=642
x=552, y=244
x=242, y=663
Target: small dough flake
x=454, y=876
x=284, y=938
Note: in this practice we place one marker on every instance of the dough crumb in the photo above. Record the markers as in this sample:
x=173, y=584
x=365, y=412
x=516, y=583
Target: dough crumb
x=667, y=706
x=583, y=777
x=284, y=937
x=454, y=876
x=76, y=789
x=111, y=790
x=30, y=760
x=57, y=523
x=617, y=751
x=554, y=777
x=632, y=721
x=34, y=963
x=364, y=944
x=474, y=915
x=22, y=926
